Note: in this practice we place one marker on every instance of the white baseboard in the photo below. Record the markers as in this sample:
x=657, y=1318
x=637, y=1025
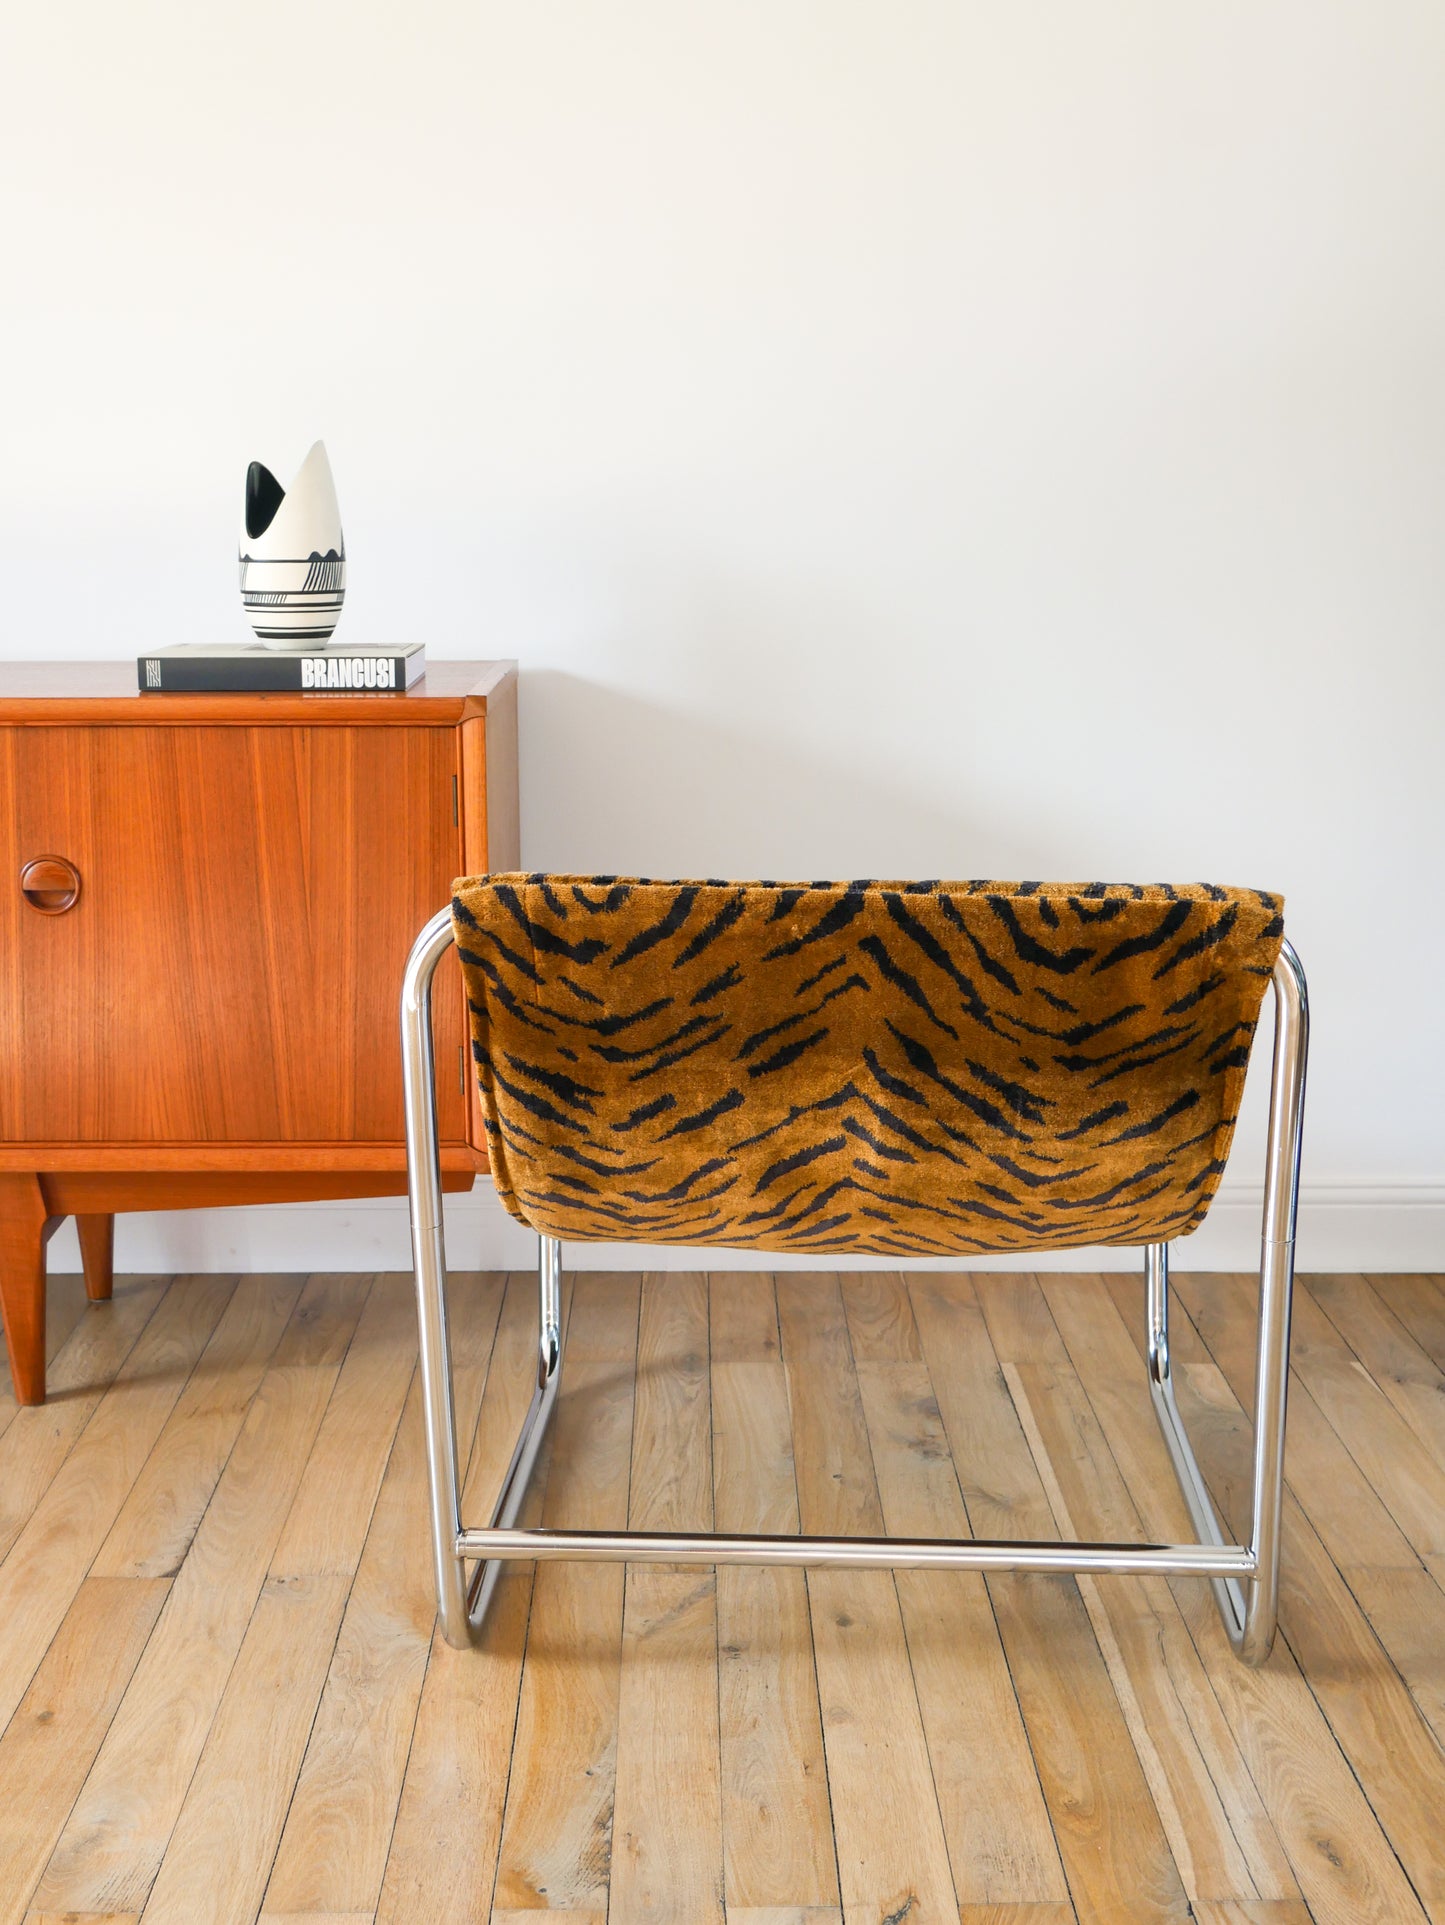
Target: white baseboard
x=1343, y=1226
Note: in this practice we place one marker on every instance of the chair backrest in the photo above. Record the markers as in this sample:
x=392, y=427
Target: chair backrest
x=907, y=1069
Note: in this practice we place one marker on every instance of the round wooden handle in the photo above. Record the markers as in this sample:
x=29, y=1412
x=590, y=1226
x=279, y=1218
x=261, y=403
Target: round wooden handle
x=50, y=884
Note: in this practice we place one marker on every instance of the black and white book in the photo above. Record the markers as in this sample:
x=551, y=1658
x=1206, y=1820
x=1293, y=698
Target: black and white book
x=197, y=669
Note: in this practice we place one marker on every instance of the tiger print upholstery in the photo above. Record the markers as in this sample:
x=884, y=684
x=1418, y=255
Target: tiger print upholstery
x=899, y=1069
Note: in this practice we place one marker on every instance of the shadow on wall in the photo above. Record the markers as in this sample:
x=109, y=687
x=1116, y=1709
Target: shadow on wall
x=613, y=783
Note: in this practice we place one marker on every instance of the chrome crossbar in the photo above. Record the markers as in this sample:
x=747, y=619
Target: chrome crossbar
x=1245, y=1576
x=1230, y=1561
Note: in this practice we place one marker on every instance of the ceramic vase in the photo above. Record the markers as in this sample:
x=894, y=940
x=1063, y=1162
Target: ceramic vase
x=293, y=555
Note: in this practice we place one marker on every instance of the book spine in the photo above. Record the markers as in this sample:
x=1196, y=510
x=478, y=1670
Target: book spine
x=279, y=674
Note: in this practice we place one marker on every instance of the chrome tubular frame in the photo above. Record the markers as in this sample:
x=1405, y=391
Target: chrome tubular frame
x=1245, y=1577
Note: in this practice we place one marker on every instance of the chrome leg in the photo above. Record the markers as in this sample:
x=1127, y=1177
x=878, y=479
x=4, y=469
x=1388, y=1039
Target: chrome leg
x=1250, y=1608
x=534, y=1426
x=429, y=1257
x=461, y=1605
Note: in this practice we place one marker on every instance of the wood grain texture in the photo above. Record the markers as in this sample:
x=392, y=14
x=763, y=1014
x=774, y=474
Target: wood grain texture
x=52, y=1553
x=1378, y=1724
x=40, y=1438
x=667, y=1855
x=226, y=1835
x=97, y=1254
x=1013, y=1914
x=1260, y=1911
x=50, y=1744
x=1389, y=1453
x=1109, y=1835
x=22, y=1282
x=82, y=1918
x=314, y=1918
x=1338, y=1852
x=157, y=1522
x=527, y=1916
x=784, y=1915
x=64, y=1308
x=330, y=1516
x=290, y=1643
x=332, y=1854
x=117, y=1834
x=143, y=1176
x=466, y=1720
x=1000, y=1841
x=1217, y=1829
x=1405, y=1610
x=204, y=1733
x=892, y=1854
x=777, y=1830
x=164, y=1010
x=1419, y=1304
x=170, y=1028
x=1402, y=1367
x=557, y=1837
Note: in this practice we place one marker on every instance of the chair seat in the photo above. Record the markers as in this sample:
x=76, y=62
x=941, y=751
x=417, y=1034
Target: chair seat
x=896, y=1069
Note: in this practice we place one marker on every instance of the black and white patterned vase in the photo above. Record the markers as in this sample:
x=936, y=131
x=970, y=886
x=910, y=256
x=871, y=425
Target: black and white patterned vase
x=293, y=555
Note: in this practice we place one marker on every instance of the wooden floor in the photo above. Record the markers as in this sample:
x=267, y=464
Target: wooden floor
x=221, y=1696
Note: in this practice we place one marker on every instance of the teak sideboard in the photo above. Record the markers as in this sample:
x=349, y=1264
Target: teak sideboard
x=208, y=905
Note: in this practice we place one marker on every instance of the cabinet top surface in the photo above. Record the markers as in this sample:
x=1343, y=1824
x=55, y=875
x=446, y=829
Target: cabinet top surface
x=107, y=692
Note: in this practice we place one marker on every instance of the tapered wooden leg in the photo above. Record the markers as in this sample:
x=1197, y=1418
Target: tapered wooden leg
x=97, y=1255
x=22, y=1283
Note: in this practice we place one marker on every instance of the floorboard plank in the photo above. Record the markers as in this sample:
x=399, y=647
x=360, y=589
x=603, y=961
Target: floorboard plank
x=442, y=1861
x=1398, y=1467
x=1109, y=1834
x=777, y=1827
x=1402, y=1367
x=667, y=1854
x=331, y=1513
x=1419, y=1303
x=891, y=1848
x=114, y=1840
x=1260, y=1911
x=1017, y=1914
x=42, y=1436
x=1338, y=1851
x=528, y=1916
x=50, y=1743
x=784, y=1915
x=82, y=1918
x=1361, y=1693
x=1406, y=1610
x=159, y=1518
x=314, y=1918
x=881, y=1325
x=1218, y=1831
x=1000, y=1841
x=333, y=1849
x=557, y=1834
x=52, y=1553
x=220, y=1853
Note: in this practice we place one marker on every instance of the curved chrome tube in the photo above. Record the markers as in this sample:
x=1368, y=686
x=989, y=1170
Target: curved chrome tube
x=534, y=1429
x=461, y=1604
x=1250, y=1609
x=429, y=1258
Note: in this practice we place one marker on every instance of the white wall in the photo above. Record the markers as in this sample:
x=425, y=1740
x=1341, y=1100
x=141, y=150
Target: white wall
x=946, y=438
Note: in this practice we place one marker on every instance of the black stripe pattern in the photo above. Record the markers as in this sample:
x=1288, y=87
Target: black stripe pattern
x=894, y=1069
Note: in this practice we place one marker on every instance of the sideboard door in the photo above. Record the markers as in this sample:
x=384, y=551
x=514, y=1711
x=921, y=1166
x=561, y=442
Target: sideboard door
x=230, y=969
